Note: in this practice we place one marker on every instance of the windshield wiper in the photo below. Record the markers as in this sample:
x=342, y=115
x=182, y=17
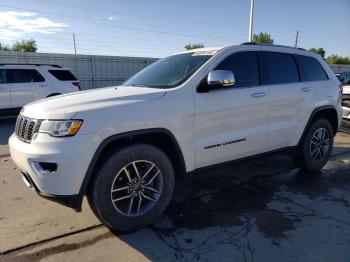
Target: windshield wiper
x=138, y=85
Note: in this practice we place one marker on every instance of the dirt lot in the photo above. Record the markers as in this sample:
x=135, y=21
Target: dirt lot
x=262, y=210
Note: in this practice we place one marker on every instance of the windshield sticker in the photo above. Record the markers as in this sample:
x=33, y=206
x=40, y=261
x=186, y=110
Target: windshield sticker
x=207, y=52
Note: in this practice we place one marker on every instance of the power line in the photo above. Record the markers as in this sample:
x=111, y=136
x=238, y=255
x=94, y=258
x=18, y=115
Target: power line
x=131, y=28
x=237, y=37
x=137, y=15
x=103, y=22
x=148, y=25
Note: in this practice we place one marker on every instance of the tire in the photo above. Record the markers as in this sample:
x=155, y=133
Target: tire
x=118, y=172
x=307, y=158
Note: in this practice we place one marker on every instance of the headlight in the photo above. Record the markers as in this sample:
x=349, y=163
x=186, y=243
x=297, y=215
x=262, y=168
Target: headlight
x=60, y=127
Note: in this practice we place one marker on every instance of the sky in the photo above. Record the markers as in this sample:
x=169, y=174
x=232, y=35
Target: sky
x=157, y=28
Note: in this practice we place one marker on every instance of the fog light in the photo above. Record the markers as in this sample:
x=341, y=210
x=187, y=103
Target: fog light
x=45, y=168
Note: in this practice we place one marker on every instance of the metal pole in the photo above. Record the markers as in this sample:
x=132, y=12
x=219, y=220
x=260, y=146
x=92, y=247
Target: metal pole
x=250, y=39
x=93, y=67
x=296, y=38
x=75, y=47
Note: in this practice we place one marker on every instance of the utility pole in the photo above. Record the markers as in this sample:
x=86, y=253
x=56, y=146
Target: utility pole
x=75, y=47
x=250, y=39
x=296, y=38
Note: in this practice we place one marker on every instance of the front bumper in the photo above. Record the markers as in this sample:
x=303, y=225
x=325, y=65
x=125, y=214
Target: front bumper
x=73, y=201
x=72, y=156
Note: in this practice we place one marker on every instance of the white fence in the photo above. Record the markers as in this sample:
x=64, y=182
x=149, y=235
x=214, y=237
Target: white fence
x=97, y=71
x=92, y=71
x=340, y=68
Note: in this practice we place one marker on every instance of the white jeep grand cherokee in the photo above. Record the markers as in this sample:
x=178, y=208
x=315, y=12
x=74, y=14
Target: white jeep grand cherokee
x=125, y=147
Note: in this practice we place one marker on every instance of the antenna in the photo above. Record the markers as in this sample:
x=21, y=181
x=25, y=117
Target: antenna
x=296, y=39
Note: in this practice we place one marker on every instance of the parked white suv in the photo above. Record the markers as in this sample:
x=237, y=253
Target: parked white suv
x=24, y=83
x=344, y=79
x=126, y=146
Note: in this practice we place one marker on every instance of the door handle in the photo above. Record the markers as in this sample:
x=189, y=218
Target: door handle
x=3, y=88
x=258, y=95
x=42, y=86
x=306, y=89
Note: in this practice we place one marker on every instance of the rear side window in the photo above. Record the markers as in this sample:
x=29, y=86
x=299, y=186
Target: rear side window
x=310, y=69
x=244, y=66
x=25, y=76
x=281, y=68
x=63, y=75
x=343, y=78
x=346, y=79
x=3, y=78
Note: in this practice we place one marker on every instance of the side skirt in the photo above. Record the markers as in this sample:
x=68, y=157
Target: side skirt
x=286, y=151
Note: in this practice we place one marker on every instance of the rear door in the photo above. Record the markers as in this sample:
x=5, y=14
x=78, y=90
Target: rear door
x=232, y=122
x=27, y=85
x=290, y=99
x=5, y=94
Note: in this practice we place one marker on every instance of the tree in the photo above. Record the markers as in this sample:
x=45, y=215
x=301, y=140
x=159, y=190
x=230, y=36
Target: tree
x=4, y=47
x=335, y=59
x=262, y=38
x=193, y=46
x=319, y=51
x=25, y=46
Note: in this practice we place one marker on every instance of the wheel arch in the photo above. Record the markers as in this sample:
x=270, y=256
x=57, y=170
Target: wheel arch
x=159, y=137
x=327, y=112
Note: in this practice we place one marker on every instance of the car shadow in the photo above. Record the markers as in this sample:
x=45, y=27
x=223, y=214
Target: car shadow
x=233, y=206
x=237, y=201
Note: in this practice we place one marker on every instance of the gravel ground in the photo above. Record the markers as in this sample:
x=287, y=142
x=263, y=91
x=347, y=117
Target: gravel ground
x=258, y=210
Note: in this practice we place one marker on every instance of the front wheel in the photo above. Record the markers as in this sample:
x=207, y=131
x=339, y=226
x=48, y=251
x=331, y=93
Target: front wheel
x=316, y=147
x=132, y=188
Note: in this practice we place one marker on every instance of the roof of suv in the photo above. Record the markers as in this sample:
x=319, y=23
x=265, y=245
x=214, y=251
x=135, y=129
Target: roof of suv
x=252, y=45
x=18, y=64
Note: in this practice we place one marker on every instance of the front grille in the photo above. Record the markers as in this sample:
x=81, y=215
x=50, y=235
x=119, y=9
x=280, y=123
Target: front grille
x=25, y=128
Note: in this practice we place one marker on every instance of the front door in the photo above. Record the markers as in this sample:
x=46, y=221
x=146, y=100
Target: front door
x=232, y=122
x=27, y=85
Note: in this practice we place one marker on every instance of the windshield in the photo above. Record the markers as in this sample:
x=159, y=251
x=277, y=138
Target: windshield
x=170, y=71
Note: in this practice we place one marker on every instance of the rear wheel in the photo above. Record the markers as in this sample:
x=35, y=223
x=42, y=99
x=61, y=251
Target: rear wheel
x=132, y=188
x=316, y=147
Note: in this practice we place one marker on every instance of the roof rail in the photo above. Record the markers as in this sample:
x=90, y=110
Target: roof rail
x=3, y=64
x=266, y=44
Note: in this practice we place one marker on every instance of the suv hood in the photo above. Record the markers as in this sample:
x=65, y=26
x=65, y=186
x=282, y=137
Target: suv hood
x=67, y=105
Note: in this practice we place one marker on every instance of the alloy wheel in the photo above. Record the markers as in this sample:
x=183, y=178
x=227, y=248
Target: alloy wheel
x=136, y=188
x=319, y=145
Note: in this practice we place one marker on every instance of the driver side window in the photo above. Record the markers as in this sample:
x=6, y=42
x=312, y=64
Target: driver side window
x=244, y=66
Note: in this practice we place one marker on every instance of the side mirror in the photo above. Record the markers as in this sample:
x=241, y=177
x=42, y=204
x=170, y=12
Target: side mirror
x=221, y=78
